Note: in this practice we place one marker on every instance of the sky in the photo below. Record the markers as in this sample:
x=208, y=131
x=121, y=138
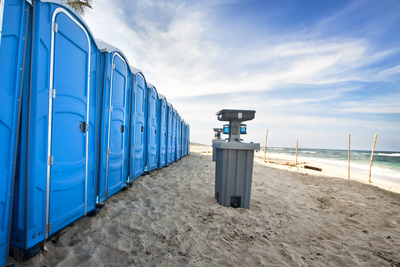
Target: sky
x=314, y=71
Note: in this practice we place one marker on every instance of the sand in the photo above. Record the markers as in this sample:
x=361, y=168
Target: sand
x=296, y=218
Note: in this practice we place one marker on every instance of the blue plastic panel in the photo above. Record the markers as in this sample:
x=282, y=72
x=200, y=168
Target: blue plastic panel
x=157, y=135
x=169, y=134
x=140, y=159
x=163, y=133
x=116, y=130
x=69, y=144
x=186, y=138
x=131, y=140
x=126, y=170
x=178, y=138
x=173, y=146
x=188, y=134
x=11, y=63
x=152, y=128
x=183, y=139
x=64, y=191
x=1, y=18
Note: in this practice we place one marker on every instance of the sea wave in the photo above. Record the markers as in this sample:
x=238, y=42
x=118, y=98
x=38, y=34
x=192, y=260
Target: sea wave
x=389, y=155
x=309, y=152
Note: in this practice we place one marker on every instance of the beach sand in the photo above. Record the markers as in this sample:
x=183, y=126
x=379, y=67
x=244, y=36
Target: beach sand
x=297, y=217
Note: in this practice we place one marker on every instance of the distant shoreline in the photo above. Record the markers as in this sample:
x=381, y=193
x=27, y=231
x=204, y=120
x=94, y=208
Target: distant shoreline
x=329, y=167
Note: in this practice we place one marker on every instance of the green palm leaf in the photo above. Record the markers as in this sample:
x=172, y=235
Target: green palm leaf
x=80, y=6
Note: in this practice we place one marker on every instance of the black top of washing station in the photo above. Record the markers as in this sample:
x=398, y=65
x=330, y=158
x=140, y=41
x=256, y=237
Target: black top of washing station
x=235, y=114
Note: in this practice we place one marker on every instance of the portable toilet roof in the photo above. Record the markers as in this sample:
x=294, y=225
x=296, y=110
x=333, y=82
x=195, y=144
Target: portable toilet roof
x=135, y=70
x=104, y=46
x=160, y=96
x=150, y=85
x=70, y=9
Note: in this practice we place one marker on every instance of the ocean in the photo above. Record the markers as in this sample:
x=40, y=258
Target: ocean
x=386, y=165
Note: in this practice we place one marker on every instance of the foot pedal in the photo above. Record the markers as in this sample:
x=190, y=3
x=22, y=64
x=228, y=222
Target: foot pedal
x=235, y=201
x=24, y=254
x=100, y=205
x=93, y=212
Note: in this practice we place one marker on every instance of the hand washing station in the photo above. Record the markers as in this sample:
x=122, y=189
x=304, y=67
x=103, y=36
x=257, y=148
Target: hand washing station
x=234, y=160
x=217, y=138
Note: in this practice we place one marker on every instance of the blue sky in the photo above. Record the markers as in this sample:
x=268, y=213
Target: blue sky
x=313, y=70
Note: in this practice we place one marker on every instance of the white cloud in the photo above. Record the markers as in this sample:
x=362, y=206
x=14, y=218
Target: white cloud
x=183, y=53
x=386, y=104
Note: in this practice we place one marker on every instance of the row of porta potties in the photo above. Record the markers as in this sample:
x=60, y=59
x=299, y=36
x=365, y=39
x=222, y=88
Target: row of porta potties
x=77, y=123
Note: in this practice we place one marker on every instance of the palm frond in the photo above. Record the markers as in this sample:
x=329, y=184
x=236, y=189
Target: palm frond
x=80, y=6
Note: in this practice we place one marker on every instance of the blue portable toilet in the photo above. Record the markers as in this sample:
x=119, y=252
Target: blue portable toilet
x=169, y=132
x=173, y=146
x=115, y=75
x=158, y=132
x=188, y=141
x=181, y=135
x=183, y=138
x=186, y=138
x=138, y=132
x=55, y=180
x=162, y=126
x=14, y=77
x=178, y=137
x=152, y=135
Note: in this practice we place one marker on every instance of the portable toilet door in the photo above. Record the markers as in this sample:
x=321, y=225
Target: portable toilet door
x=152, y=127
x=115, y=89
x=163, y=131
x=130, y=135
x=139, y=160
x=158, y=132
x=188, y=141
x=13, y=36
x=55, y=184
x=178, y=137
x=169, y=133
x=173, y=146
x=183, y=139
x=186, y=145
x=181, y=135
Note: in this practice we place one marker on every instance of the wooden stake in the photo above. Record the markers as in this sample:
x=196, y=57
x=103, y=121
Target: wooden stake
x=297, y=144
x=372, y=157
x=265, y=147
x=348, y=164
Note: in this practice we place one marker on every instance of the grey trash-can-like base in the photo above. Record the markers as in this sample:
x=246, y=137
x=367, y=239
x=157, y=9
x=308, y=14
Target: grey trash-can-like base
x=233, y=176
x=214, y=153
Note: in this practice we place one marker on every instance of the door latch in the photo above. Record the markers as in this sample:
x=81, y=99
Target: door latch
x=83, y=127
